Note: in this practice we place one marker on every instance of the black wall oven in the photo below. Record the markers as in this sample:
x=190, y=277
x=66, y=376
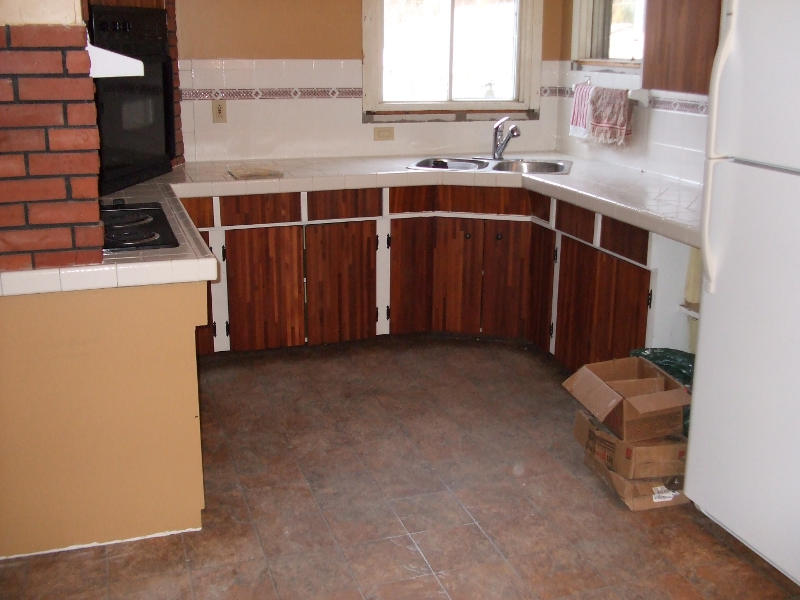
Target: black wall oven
x=135, y=114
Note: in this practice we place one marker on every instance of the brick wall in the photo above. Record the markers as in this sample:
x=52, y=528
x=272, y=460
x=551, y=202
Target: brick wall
x=49, y=161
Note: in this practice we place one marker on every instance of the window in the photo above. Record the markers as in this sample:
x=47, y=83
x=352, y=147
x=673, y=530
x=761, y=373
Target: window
x=451, y=55
x=608, y=30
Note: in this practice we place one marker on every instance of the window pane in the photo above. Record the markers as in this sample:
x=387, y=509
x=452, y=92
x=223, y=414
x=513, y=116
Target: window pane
x=626, y=38
x=485, y=49
x=416, y=50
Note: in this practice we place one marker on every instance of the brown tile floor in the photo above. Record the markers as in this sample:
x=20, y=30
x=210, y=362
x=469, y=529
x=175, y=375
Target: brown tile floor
x=403, y=469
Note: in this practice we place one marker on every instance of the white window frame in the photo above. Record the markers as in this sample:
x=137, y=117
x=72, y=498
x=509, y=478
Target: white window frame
x=582, y=11
x=528, y=69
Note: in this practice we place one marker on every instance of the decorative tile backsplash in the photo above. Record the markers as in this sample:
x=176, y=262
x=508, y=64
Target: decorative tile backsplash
x=271, y=93
x=697, y=107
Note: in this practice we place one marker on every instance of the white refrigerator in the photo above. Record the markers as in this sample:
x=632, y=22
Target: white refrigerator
x=743, y=464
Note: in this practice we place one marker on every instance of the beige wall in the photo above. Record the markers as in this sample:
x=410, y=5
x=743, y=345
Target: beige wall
x=306, y=29
x=99, y=442
x=41, y=12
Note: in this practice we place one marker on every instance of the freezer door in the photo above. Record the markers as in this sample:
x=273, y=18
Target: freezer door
x=743, y=466
x=754, y=98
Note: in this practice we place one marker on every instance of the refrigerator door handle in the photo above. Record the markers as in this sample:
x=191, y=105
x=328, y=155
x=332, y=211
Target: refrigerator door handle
x=724, y=51
x=705, y=234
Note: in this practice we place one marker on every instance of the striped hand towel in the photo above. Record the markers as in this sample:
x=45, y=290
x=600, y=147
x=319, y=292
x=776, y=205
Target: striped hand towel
x=579, y=123
x=610, y=115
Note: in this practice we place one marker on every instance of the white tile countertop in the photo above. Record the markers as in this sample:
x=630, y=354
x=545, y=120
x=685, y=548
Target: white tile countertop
x=663, y=205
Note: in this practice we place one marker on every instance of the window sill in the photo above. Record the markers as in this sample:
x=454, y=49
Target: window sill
x=616, y=66
x=447, y=116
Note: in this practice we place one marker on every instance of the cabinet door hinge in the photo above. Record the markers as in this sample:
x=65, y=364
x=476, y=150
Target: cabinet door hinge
x=388, y=240
x=650, y=299
x=555, y=255
x=227, y=329
x=551, y=330
x=377, y=314
x=388, y=312
x=214, y=328
x=377, y=243
x=224, y=253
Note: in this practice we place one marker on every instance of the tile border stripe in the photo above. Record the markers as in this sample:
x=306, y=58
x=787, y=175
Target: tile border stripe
x=296, y=93
x=697, y=107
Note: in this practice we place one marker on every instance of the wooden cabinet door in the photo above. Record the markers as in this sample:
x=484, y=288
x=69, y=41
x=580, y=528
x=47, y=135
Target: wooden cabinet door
x=457, y=266
x=542, y=269
x=680, y=41
x=265, y=287
x=602, y=305
x=411, y=295
x=340, y=281
x=204, y=334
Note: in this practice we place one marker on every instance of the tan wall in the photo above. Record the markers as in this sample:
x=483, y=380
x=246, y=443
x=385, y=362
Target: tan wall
x=307, y=29
x=557, y=34
x=40, y=12
x=98, y=442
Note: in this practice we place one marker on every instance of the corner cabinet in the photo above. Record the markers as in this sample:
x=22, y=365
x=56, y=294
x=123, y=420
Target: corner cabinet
x=334, y=266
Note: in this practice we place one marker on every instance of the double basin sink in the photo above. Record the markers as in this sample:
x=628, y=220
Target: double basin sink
x=506, y=165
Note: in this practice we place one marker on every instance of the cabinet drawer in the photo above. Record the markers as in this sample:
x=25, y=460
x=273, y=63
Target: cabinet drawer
x=626, y=240
x=417, y=198
x=201, y=210
x=575, y=221
x=344, y=204
x=254, y=209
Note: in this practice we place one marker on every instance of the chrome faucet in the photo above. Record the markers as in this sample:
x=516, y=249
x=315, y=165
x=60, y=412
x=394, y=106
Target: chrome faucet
x=499, y=142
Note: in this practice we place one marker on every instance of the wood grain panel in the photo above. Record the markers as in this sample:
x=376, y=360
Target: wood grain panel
x=506, y=293
x=344, y=204
x=418, y=198
x=201, y=211
x=575, y=221
x=411, y=294
x=540, y=205
x=340, y=281
x=204, y=334
x=543, y=244
x=265, y=287
x=631, y=287
x=457, y=263
x=462, y=198
x=577, y=281
x=680, y=41
x=624, y=239
x=255, y=209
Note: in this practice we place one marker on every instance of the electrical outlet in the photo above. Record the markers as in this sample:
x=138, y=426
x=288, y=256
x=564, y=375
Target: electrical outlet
x=383, y=134
x=219, y=111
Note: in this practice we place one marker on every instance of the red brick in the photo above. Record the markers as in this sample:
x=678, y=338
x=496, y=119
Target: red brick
x=48, y=36
x=31, y=115
x=64, y=163
x=89, y=236
x=83, y=113
x=67, y=258
x=15, y=262
x=20, y=62
x=54, y=213
x=20, y=240
x=3, y=37
x=78, y=62
x=84, y=187
x=6, y=90
x=74, y=139
x=19, y=140
x=12, y=215
x=31, y=190
x=12, y=165
x=55, y=88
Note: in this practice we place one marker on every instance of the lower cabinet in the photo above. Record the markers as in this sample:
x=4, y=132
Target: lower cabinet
x=602, y=305
x=265, y=287
x=340, y=281
x=472, y=276
x=204, y=334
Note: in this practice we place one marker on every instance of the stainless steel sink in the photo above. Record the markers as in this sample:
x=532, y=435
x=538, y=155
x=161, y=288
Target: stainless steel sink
x=450, y=164
x=521, y=165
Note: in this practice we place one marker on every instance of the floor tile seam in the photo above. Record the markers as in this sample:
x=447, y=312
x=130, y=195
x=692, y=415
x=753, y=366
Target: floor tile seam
x=260, y=541
x=489, y=538
x=337, y=545
x=422, y=554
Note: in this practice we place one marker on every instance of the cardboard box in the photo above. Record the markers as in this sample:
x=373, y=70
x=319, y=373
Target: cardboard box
x=660, y=457
x=641, y=494
x=632, y=397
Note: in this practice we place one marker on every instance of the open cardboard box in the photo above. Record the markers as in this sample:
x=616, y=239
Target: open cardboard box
x=640, y=494
x=631, y=396
x=659, y=457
